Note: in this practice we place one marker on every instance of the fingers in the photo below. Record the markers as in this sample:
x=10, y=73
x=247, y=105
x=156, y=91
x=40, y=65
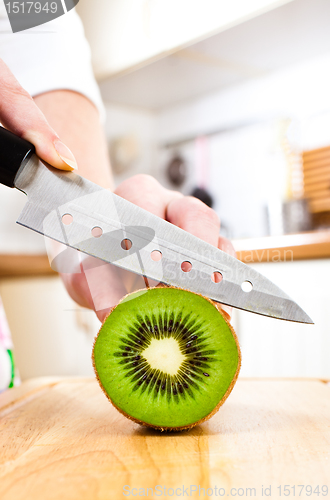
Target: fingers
x=78, y=288
x=226, y=246
x=186, y=212
x=145, y=192
x=104, y=283
x=100, y=286
x=20, y=114
x=194, y=216
x=97, y=286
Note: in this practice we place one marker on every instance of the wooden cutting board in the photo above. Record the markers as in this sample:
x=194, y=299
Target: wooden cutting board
x=62, y=439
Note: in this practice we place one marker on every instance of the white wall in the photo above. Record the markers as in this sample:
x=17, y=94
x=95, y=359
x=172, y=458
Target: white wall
x=15, y=238
x=246, y=161
x=242, y=170
x=140, y=124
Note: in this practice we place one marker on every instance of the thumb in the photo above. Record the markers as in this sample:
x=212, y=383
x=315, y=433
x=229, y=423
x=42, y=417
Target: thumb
x=20, y=115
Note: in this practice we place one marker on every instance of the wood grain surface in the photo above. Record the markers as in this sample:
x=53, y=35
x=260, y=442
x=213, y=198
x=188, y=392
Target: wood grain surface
x=12, y=265
x=62, y=439
x=316, y=167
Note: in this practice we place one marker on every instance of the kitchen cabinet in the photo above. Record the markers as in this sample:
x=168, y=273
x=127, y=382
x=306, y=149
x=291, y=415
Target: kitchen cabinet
x=130, y=33
x=272, y=347
x=250, y=51
x=63, y=439
x=52, y=335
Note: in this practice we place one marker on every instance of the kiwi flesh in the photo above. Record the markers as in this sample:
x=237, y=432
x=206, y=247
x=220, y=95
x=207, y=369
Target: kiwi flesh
x=166, y=358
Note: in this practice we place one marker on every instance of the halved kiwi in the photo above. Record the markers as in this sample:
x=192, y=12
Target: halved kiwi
x=166, y=358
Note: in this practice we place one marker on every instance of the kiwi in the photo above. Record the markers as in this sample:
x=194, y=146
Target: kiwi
x=166, y=358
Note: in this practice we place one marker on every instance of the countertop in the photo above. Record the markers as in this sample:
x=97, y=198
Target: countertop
x=311, y=245
x=62, y=439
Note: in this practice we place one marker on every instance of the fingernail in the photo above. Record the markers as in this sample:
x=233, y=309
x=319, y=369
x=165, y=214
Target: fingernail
x=65, y=154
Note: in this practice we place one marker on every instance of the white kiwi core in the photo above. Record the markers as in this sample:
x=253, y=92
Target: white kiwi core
x=164, y=355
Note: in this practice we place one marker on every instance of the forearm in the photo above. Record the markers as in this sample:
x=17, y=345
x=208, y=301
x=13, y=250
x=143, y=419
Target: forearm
x=76, y=120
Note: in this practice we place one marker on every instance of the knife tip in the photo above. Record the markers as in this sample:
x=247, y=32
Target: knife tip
x=302, y=317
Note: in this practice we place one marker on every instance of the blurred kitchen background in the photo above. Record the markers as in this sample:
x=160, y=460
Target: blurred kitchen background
x=226, y=100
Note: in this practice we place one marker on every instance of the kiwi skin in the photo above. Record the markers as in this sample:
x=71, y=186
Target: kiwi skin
x=226, y=317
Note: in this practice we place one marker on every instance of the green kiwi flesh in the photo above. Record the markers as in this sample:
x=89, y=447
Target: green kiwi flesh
x=166, y=358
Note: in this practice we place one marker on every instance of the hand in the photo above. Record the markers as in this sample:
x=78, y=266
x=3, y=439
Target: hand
x=20, y=114
x=100, y=286
x=96, y=285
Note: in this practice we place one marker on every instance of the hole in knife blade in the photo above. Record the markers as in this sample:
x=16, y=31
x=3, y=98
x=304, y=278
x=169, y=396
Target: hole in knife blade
x=67, y=219
x=156, y=255
x=97, y=231
x=126, y=244
x=186, y=266
x=246, y=286
x=216, y=277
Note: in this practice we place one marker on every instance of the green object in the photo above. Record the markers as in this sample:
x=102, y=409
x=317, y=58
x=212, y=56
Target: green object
x=12, y=376
x=166, y=357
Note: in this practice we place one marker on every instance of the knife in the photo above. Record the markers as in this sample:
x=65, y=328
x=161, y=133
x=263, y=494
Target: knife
x=82, y=215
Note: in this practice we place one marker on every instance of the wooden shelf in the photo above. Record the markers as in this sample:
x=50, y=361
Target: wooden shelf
x=14, y=265
x=312, y=245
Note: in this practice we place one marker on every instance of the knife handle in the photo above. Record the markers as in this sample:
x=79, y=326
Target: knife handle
x=14, y=153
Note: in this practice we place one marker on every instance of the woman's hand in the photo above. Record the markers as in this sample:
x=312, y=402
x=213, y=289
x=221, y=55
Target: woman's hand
x=20, y=114
x=95, y=284
x=100, y=286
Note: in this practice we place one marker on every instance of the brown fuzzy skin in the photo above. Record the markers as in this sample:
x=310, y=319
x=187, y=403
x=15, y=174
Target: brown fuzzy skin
x=226, y=317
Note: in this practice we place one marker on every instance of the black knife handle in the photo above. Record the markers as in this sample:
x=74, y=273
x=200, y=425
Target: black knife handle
x=14, y=152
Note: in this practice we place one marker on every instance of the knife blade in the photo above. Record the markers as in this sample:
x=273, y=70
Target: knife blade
x=70, y=209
